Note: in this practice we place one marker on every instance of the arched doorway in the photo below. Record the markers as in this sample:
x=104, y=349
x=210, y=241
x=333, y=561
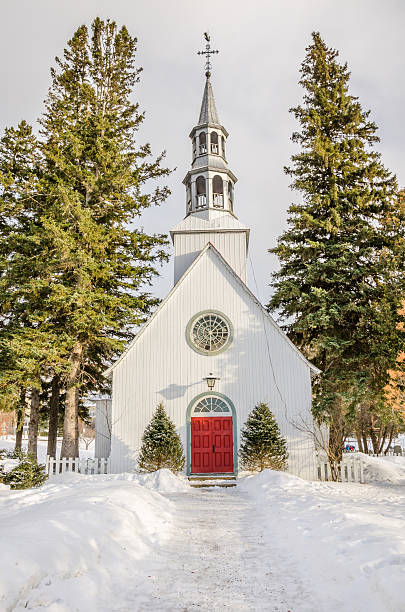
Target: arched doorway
x=211, y=435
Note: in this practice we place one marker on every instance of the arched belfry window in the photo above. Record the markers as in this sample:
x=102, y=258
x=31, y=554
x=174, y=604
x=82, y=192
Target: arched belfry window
x=230, y=194
x=218, y=191
x=214, y=142
x=201, y=192
x=202, y=140
x=188, y=191
x=194, y=147
x=223, y=146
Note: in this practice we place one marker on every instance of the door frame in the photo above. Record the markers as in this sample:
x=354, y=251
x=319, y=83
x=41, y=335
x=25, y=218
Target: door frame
x=191, y=405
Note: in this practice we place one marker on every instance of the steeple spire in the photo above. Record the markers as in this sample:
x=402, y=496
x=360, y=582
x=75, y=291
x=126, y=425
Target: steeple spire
x=208, y=112
x=209, y=183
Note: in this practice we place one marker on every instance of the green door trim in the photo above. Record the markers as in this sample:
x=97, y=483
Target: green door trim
x=234, y=428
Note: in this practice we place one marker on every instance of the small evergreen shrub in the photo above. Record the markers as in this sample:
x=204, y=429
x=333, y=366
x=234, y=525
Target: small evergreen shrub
x=27, y=472
x=161, y=445
x=262, y=445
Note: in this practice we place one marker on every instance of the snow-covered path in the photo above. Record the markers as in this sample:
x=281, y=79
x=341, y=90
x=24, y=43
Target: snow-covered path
x=220, y=559
x=132, y=543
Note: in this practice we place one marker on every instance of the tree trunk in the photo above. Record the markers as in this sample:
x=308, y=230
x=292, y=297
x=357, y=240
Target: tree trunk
x=389, y=440
x=34, y=422
x=19, y=429
x=336, y=437
x=383, y=436
x=20, y=421
x=77, y=424
x=69, y=443
x=53, y=417
x=374, y=440
x=359, y=440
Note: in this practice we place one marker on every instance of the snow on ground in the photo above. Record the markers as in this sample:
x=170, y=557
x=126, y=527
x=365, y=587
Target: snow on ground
x=349, y=539
x=384, y=469
x=81, y=543
x=8, y=442
x=149, y=543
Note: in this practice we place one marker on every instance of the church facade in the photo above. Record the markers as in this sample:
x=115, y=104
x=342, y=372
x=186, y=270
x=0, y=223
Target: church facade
x=211, y=352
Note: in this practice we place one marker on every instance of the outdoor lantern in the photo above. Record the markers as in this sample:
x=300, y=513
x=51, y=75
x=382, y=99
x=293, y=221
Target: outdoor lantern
x=211, y=380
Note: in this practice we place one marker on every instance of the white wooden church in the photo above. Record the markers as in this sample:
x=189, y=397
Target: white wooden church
x=210, y=329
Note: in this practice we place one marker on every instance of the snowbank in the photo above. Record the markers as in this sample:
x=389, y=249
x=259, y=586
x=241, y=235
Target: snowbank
x=163, y=480
x=344, y=536
x=78, y=543
x=384, y=469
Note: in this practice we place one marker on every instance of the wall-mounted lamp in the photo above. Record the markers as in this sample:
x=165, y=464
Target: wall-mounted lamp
x=211, y=381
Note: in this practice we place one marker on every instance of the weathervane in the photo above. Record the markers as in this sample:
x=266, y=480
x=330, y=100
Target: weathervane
x=208, y=52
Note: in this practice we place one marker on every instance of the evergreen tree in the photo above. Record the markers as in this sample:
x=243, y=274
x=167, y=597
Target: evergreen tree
x=23, y=345
x=262, y=446
x=27, y=472
x=338, y=286
x=77, y=295
x=161, y=444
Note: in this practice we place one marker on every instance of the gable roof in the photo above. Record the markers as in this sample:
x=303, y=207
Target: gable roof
x=210, y=247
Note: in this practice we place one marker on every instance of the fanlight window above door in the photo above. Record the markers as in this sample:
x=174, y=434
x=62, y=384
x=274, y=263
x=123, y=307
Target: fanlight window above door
x=211, y=405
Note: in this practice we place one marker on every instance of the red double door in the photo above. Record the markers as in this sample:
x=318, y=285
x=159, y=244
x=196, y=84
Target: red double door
x=211, y=445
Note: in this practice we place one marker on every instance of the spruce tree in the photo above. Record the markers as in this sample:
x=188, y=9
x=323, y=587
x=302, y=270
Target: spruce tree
x=93, y=180
x=161, y=444
x=80, y=273
x=24, y=346
x=262, y=446
x=339, y=281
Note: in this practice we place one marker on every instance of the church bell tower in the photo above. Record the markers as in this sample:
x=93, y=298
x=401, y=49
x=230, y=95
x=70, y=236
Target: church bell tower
x=209, y=188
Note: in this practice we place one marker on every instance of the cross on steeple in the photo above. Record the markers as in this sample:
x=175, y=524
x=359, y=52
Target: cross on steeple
x=208, y=52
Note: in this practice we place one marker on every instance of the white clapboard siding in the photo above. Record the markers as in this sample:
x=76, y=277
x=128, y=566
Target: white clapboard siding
x=232, y=246
x=221, y=229
x=76, y=465
x=261, y=364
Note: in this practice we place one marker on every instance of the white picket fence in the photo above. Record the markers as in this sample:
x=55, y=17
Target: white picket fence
x=387, y=454
x=77, y=465
x=351, y=469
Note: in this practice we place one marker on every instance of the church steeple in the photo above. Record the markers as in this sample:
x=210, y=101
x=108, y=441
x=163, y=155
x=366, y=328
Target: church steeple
x=209, y=193
x=208, y=112
x=209, y=183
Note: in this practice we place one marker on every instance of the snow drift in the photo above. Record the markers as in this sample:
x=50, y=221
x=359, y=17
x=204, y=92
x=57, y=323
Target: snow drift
x=78, y=542
x=384, y=469
x=345, y=537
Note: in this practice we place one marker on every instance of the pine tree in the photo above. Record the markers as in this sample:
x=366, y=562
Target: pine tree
x=262, y=445
x=26, y=474
x=23, y=345
x=80, y=272
x=93, y=181
x=339, y=279
x=161, y=444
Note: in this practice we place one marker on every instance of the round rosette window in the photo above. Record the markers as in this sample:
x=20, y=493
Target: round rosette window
x=209, y=332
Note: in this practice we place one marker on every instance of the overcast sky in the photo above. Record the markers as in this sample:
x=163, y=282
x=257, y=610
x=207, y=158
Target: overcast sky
x=255, y=75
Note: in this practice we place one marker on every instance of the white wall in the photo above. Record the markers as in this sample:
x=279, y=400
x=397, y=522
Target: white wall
x=259, y=365
x=231, y=245
x=103, y=429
